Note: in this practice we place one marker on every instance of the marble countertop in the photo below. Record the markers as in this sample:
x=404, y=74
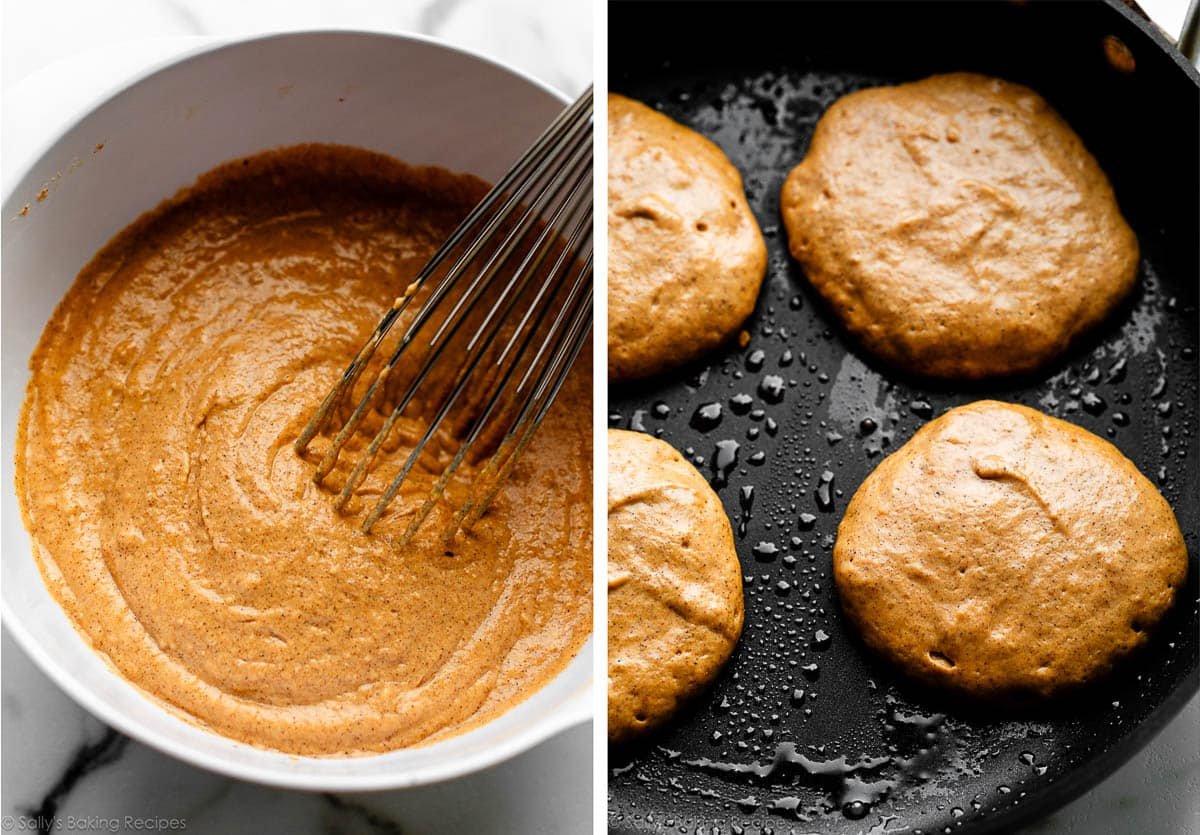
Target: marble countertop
x=58, y=762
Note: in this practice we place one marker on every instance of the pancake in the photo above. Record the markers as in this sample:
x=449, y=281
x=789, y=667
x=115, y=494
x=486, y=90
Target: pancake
x=1007, y=555
x=958, y=226
x=686, y=258
x=674, y=584
x=185, y=538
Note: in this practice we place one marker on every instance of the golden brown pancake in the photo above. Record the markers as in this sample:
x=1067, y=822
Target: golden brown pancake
x=958, y=226
x=674, y=584
x=686, y=258
x=184, y=537
x=1006, y=554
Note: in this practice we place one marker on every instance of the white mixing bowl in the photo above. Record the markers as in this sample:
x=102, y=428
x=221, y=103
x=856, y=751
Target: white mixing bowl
x=411, y=97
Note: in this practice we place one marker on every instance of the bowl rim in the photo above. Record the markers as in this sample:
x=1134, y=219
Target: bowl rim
x=575, y=708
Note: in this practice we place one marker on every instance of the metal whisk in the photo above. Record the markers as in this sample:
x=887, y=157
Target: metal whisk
x=513, y=294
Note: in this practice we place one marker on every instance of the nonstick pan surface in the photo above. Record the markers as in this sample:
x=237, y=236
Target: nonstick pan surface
x=855, y=748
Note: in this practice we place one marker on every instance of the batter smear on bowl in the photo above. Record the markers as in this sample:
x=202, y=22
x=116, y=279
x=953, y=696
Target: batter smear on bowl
x=184, y=537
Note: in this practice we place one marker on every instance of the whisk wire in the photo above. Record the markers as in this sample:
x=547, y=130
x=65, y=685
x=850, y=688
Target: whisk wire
x=522, y=430
x=487, y=331
x=578, y=113
x=582, y=226
x=527, y=222
x=455, y=320
x=328, y=462
x=542, y=203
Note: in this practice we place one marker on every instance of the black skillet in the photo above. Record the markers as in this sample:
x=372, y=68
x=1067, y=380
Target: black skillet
x=801, y=399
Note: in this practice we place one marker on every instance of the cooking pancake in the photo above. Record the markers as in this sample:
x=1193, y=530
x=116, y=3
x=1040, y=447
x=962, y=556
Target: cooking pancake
x=958, y=226
x=674, y=584
x=1007, y=555
x=185, y=538
x=686, y=258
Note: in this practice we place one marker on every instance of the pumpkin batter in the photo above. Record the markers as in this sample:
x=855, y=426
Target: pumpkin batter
x=958, y=226
x=1007, y=554
x=686, y=258
x=675, y=607
x=185, y=538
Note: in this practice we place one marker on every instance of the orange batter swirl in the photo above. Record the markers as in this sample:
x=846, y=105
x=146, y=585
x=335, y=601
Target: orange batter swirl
x=184, y=537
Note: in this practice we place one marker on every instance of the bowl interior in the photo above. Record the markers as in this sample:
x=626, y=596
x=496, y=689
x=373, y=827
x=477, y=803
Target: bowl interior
x=416, y=100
